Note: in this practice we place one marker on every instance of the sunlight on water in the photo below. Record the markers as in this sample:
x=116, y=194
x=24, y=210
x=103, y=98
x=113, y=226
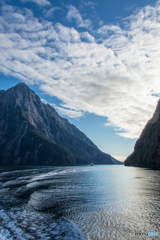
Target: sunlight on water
x=103, y=202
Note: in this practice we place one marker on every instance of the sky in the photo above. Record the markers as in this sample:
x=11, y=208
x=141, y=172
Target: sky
x=96, y=62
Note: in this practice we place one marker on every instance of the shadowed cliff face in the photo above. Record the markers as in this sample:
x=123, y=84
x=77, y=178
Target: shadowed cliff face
x=147, y=148
x=32, y=133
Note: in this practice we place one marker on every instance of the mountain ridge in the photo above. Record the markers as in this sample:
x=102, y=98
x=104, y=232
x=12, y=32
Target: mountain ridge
x=147, y=148
x=33, y=131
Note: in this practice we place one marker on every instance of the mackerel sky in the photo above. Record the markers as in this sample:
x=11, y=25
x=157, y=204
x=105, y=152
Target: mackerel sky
x=96, y=62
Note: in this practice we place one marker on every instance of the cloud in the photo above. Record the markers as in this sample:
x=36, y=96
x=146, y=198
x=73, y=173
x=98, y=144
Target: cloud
x=39, y=2
x=111, y=71
x=68, y=112
x=87, y=37
x=50, y=12
x=64, y=111
x=109, y=29
x=89, y=3
x=73, y=14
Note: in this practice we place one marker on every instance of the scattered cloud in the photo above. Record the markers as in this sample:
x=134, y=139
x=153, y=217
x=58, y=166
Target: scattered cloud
x=44, y=101
x=130, y=7
x=101, y=23
x=68, y=112
x=50, y=12
x=114, y=73
x=39, y=2
x=87, y=37
x=109, y=29
x=74, y=14
x=89, y=3
x=64, y=111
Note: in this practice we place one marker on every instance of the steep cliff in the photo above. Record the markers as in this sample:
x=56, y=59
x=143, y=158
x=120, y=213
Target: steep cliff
x=147, y=148
x=32, y=133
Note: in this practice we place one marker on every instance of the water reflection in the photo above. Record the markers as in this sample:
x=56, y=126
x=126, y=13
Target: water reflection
x=116, y=202
x=106, y=202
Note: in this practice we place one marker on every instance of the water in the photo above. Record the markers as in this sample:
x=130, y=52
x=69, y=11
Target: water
x=82, y=202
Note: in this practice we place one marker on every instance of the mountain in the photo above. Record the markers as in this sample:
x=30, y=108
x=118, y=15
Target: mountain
x=32, y=133
x=147, y=148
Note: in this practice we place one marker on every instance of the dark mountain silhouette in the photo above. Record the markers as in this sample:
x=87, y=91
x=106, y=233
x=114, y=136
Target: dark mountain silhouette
x=147, y=148
x=32, y=133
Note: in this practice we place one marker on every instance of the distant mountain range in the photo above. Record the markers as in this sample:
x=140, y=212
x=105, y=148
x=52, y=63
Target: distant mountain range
x=147, y=148
x=32, y=133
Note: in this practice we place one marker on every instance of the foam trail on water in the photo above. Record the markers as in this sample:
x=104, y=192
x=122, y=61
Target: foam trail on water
x=20, y=220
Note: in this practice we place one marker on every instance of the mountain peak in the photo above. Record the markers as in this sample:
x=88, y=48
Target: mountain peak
x=21, y=85
x=32, y=132
x=19, y=89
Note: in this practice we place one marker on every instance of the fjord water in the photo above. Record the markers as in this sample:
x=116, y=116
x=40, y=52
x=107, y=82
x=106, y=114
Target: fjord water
x=79, y=202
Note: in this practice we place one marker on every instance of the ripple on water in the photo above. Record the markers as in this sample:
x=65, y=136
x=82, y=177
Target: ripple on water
x=106, y=202
x=22, y=224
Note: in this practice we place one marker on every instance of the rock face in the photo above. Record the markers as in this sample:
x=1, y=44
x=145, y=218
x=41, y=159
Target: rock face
x=147, y=148
x=32, y=133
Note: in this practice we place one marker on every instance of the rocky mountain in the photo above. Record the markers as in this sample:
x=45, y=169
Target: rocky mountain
x=32, y=133
x=147, y=148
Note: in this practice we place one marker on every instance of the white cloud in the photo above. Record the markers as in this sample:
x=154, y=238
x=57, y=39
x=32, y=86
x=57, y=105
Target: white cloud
x=50, y=12
x=44, y=101
x=73, y=14
x=64, y=111
x=89, y=3
x=68, y=112
x=118, y=79
x=67, y=34
x=87, y=37
x=108, y=29
x=39, y=2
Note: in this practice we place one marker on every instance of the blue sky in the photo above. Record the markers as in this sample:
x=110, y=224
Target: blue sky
x=96, y=62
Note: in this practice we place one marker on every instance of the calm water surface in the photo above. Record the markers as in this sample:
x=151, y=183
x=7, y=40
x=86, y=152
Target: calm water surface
x=82, y=202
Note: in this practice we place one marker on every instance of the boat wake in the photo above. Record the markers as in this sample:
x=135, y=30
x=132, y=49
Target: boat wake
x=28, y=207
